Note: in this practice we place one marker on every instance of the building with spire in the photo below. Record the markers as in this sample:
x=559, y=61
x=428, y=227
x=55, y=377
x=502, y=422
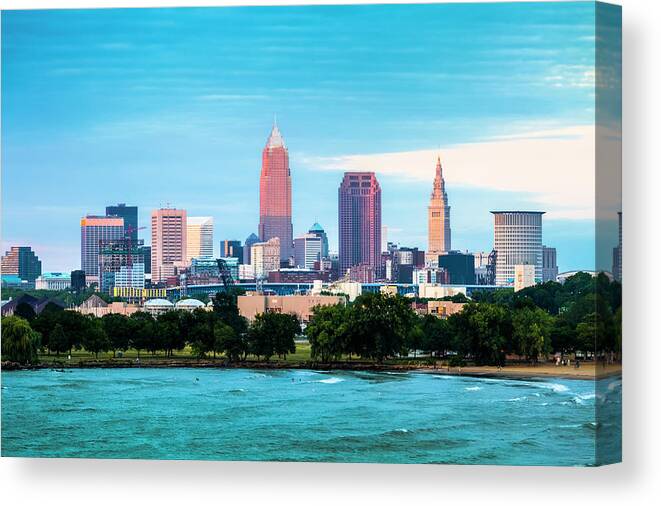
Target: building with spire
x=275, y=194
x=438, y=218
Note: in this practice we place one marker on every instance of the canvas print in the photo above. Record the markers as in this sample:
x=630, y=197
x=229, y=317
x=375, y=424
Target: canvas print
x=356, y=233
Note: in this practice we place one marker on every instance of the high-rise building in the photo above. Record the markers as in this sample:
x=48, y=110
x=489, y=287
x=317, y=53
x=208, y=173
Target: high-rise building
x=307, y=250
x=93, y=230
x=168, y=242
x=78, y=282
x=265, y=257
x=359, y=206
x=319, y=231
x=231, y=249
x=130, y=215
x=275, y=194
x=549, y=264
x=438, y=217
x=199, y=237
x=121, y=265
x=517, y=240
x=460, y=267
x=250, y=240
x=145, y=251
x=22, y=262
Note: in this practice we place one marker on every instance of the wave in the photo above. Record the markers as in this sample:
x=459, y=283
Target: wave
x=330, y=381
x=556, y=387
x=516, y=399
x=472, y=389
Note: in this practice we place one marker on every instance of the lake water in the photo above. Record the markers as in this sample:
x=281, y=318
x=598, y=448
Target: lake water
x=242, y=414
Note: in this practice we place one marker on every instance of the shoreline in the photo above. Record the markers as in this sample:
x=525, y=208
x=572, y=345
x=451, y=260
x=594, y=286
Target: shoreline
x=589, y=371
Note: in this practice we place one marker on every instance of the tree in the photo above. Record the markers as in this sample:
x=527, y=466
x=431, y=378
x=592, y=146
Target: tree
x=19, y=342
x=436, y=335
x=273, y=334
x=531, y=332
x=142, y=329
x=118, y=329
x=415, y=339
x=228, y=342
x=95, y=338
x=25, y=311
x=170, y=332
x=58, y=341
x=482, y=331
x=379, y=325
x=327, y=332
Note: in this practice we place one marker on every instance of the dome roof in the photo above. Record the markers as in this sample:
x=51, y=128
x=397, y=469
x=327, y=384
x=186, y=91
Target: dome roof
x=158, y=303
x=189, y=303
x=316, y=228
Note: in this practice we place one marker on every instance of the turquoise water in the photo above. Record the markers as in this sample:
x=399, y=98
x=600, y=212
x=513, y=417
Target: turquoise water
x=242, y=414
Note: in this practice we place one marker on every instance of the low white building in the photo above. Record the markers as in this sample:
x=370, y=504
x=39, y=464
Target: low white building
x=156, y=307
x=436, y=291
x=53, y=281
x=190, y=305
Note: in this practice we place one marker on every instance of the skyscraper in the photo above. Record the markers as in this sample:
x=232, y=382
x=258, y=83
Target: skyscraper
x=130, y=215
x=121, y=265
x=231, y=249
x=250, y=240
x=307, y=250
x=168, y=242
x=93, y=230
x=275, y=194
x=517, y=239
x=199, y=237
x=549, y=264
x=438, y=217
x=359, y=210
x=21, y=261
x=265, y=257
x=319, y=231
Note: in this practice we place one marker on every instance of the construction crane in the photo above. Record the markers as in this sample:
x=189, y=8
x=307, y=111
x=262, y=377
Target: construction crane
x=225, y=275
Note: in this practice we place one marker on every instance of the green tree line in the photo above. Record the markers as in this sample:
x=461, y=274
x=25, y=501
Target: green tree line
x=583, y=314
x=220, y=331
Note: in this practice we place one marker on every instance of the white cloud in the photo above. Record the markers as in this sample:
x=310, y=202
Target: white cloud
x=554, y=169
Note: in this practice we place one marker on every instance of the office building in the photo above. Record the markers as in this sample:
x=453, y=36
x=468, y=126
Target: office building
x=250, y=240
x=460, y=267
x=549, y=264
x=130, y=216
x=517, y=241
x=524, y=276
x=199, y=237
x=231, y=249
x=318, y=230
x=168, y=243
x=275, y=209
x=307, y=250
x=93, y=231
x=78, y=281
x=359, y=206
x=265, y=257
x=145, y=251
x=121, y=265
x=438, y=217
x=21, y=261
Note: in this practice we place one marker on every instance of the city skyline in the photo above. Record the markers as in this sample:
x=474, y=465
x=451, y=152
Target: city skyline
x=199, y=121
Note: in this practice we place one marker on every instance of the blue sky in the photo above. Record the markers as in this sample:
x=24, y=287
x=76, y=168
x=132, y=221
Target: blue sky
x=156, y=106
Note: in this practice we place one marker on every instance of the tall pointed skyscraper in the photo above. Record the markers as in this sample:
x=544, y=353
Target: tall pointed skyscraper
x=438, y=216
x=275, y=194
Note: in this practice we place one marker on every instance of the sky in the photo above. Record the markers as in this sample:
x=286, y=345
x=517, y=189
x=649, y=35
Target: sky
x=157, y=107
